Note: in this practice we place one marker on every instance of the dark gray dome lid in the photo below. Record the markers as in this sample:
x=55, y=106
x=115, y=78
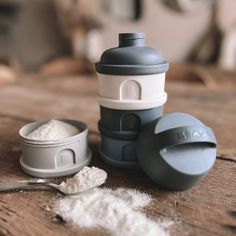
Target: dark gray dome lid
x=176, y=150
x=131, y=57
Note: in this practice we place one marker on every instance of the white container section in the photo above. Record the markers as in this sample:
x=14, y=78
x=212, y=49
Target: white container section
x=132, y=92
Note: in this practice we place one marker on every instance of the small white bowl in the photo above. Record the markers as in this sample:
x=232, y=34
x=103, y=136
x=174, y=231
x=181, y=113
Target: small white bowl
x=54, y=158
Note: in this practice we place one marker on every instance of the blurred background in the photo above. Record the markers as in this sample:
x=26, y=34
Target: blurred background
x=65, y=37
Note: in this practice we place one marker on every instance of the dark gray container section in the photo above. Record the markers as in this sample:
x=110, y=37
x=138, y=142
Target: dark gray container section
x=120, y=153
x=176, y=151
x=131, y=57
x=117, y=134
x=128, y=120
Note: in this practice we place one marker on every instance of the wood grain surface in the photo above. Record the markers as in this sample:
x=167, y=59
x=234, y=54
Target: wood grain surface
x=206, y=209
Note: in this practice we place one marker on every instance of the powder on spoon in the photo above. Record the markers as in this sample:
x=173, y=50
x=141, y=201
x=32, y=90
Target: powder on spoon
x=85, y=179
x=53, y=130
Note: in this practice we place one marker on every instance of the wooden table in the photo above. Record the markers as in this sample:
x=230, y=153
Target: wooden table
x=207, y=209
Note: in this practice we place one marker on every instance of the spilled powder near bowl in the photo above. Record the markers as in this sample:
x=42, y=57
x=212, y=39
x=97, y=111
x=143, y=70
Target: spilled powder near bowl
x=119, y=211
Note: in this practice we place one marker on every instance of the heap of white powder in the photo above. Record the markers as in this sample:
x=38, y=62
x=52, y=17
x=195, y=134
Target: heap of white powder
x=87, y=178
x=53, y=130
x=119, y=211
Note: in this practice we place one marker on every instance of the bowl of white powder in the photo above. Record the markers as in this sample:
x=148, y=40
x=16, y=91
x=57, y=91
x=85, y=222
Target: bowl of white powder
x=54, y=148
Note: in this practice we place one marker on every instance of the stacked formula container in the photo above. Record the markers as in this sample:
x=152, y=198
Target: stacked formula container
x=131, y=94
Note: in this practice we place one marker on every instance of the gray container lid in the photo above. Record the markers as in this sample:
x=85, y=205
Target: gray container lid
x=176, y=151
x=131, y=57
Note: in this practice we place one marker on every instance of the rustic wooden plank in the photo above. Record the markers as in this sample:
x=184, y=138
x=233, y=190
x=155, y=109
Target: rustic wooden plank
x=217, y=108
x=202, y=210
x=21, y=101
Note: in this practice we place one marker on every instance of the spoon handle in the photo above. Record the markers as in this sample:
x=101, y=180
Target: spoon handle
x=22, y=185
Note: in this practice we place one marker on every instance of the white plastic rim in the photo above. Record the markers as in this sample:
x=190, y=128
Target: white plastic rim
x=133, y=104
x=135, y=88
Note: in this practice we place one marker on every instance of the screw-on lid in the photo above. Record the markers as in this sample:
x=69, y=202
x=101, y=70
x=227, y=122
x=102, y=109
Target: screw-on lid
x=131, y=57
x=176, y=150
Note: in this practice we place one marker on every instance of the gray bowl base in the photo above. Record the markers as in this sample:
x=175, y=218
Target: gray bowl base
x=46, y=173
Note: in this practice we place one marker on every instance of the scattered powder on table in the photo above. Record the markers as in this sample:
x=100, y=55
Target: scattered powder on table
x=119, y=211
x=53, y=130
x=87, y=178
